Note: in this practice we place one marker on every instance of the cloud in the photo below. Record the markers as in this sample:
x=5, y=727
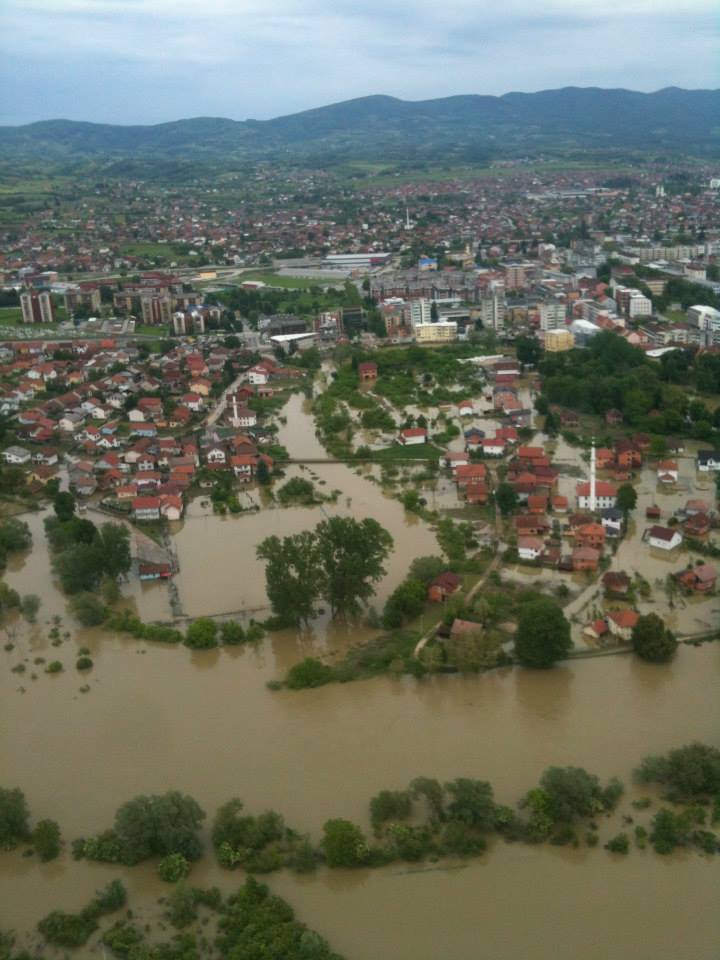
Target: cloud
x=150, y=60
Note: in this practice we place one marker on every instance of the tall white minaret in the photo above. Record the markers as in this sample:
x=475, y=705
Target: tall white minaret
x=593, y=500
x=407, y=218
x=235, y=413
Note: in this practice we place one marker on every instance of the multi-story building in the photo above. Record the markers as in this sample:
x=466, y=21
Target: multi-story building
x=444, y=331
x=558, y=340
x=37, y=307
x=493, y=310
x=156, y=310
x=82, y=295
x=420, y=312
x=552, y=315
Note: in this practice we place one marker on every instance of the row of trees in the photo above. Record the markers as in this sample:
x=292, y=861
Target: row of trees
x=339, y=562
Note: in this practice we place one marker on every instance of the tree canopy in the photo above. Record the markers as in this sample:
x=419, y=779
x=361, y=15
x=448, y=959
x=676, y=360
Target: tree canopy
x=543, y=634
x=651, y=639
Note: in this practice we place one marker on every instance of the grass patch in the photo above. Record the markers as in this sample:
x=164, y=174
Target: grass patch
x=287, y=283
x=424, y=451
x=10, y=315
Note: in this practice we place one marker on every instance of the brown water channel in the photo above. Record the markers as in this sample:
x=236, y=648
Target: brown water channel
x=159, y=718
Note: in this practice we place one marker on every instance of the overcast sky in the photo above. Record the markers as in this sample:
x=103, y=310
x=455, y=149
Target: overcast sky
x=145, y=61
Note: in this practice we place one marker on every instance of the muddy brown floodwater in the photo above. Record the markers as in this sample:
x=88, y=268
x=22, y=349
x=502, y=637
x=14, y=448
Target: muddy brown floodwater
x=155, y=719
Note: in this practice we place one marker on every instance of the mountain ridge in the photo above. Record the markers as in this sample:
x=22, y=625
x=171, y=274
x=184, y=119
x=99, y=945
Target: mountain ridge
x=369, y=127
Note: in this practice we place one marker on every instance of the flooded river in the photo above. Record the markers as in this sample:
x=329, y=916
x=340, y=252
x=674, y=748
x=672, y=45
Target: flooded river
x=159, y=718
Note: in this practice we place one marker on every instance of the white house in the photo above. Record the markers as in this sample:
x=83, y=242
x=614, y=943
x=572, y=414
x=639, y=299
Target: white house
x=466, y=408
x=667, y=471
x=605, y=495
x=16, y=456
x=664, y=538
x=529, y=548
x=612, y=520
x=708, y=460
x=413, y=435
x=492, y=447
x=258, y=375
x=621, y=623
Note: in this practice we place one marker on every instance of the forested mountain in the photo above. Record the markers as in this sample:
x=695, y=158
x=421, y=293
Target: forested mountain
x=380, y=127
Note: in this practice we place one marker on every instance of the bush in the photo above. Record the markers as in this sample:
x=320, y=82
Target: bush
x=344, y=844
x=308, y=673
x=201, y=635
x=83, y=663
x=618, y=844
x=46, y=840
x=14, y=817
x=54, y=667
x=172, y=868
x=462, y=839
x=182, y=907
x=88, y=609
x=67, y=929
x=123, y=938
x=692, y=771
x=390, y=805
x=231, y=633
x=406, y=602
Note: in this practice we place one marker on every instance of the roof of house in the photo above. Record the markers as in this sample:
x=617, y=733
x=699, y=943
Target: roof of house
x=657, y=532
x=625, y=619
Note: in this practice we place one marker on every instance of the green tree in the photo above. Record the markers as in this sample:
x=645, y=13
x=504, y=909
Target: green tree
x=9, y=599
x=344, y=844
x=13, y=818
x=29, y=606
x=351, y=554
x=46, y=839
x=390, y=805
x=292, y=575
x=691, y=772
x=573, y=792
x=88, y=608
x=432, y=791
x=472, y=803
x=14, y=535
x=527, y=350
x=506, y=498
x=79, y=568
x=201, y=635
x=406, y=602
x=543, y=634
x=651, y=639
x=626, y=498
x=114, y=549
x=64, y=506
x=158, y=825
x=426, y=569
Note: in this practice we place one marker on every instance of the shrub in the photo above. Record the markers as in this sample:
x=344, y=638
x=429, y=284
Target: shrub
x=14, y=817
x=201, y=635
x=231, y=633
x=88, y=609
x=390, y=805
x=67, y=929
x=172, y=868
x=84, y=663
x=651, y=639
x=54, y=667
x=46, y=840
x=308, y=673
x=692, y=771
x=618, y=844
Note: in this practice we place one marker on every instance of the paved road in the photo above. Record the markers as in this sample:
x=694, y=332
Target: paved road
x=219, y=409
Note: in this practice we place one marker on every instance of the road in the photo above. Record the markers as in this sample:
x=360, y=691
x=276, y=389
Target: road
x=219, y=409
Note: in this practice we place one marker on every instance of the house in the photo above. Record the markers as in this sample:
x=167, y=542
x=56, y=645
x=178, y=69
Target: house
x=476, y=492
x=613, y=521
x=244, y=466
x=596, y=630
x=653, y=512
x=464, y=626
x=621, y=623
x=492, y=448
x=466, y=408
x=529, y=548
x=148, y=570
x=413, y=435
x=590, y=535
x=146, y=508
x=560, y=504
x=452, y=459
x=71, y=421
x=605, y=495
x=585, y=558
x=697, y=526
x=664, y=538
x=604, y=458
x=531, y=526
x=667, y=471
x=443, y=586
x=17, y=456
x=694, y=507
x=216, y=455
x=616, y=583
x=242, y=416
x=699, y=579
x=258, y=375
x=531, y=453
x=474, y=438
x=708, y=460
x=192, y=401
x=467, y=473
x=171, y=506
x=367, y=372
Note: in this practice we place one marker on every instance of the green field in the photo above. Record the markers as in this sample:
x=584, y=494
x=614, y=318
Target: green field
x=148, y=250
x=287, y=283
x=425, y=451
x=10, y=315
